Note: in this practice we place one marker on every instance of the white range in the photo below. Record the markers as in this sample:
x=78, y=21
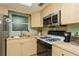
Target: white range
x=50, y=39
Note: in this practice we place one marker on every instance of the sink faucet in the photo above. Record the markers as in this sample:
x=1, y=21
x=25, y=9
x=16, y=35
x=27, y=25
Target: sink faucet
x=21, y=34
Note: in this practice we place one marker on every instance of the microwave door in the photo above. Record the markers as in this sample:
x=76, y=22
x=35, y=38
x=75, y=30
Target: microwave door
x=56, y=18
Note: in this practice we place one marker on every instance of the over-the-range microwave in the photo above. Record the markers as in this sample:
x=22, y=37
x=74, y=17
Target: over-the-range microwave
x=53, y=19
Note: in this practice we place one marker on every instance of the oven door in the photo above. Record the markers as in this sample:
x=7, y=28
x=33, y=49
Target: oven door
x=43, y=48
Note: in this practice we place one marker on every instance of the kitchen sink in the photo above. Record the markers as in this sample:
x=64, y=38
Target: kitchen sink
x=17, y=37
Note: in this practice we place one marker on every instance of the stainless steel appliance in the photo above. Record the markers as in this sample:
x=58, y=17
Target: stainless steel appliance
x=52, y=19
x=56, y=18
x=4, y=33
x=47, y=21
x=43, y=48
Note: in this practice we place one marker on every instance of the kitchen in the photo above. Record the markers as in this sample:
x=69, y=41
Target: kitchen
x=39, y=29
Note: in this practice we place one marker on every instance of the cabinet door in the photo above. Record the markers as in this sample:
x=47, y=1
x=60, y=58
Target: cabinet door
x=13, y=49
x=76, y=15
x=3, y=10
x=67, y=13
x=36, y=20
x=29, y=47
x=56, y=51
x=65, y=53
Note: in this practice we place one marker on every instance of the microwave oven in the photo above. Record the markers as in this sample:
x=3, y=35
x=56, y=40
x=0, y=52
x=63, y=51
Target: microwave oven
x=56, y=18
x=53, y=19
x=47, y=21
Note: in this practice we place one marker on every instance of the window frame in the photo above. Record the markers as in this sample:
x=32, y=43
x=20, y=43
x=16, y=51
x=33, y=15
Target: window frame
x=19, y=14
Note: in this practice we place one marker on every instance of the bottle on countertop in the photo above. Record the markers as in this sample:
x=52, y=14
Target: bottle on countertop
x=76, y=34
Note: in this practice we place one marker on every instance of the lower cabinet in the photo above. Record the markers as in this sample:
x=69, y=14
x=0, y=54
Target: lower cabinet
x=13, y=49
x=29, y=48
x=56, y=51
x=24, y=47
x=66, y=53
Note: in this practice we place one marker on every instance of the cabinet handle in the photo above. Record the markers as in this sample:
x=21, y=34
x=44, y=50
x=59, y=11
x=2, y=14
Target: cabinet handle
x=62, y=54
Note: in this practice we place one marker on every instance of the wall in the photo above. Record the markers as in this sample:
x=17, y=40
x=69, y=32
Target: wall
x=73, y=28
x=57, y=28
x=45, y=30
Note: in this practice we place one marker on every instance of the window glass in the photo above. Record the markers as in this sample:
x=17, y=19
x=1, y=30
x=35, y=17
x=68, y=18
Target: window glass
x=20, y=23
x=19, y=19
x=20, y=27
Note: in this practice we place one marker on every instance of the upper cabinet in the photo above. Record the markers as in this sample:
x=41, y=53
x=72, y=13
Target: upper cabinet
x=76, y=14
x=36, y=20
x=67, y=13
x=3, y=10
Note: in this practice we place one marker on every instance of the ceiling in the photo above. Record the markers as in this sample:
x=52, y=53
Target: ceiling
x=35, y=6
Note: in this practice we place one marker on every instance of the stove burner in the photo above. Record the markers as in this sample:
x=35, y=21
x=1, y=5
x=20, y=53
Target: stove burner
x=45, y=37
x=53, y=39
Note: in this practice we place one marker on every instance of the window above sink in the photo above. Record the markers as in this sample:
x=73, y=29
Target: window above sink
x=19, y=22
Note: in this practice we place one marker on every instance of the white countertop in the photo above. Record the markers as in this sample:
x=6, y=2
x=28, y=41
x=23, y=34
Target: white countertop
x=68, y=47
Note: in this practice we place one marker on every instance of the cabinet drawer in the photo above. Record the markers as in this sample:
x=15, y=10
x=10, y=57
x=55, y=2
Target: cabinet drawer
x=66, y=53
x=57, y=51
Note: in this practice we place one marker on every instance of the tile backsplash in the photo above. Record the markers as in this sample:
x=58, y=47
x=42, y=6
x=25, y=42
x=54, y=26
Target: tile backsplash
x=74, y=29
x=18, y=33
x=58, y=28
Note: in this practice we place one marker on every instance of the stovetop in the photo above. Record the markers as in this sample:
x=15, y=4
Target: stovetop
x=51, y=39
x=46, y=37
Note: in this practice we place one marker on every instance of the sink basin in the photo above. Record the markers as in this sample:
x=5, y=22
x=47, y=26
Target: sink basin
x=14, y=37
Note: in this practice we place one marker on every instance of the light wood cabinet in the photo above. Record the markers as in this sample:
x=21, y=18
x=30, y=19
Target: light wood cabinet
x=67, y=13
x=36, y=20
x=76, y=14
x=57, y=51
x=22, y=47
x=66, y=53
x=13, y=48
x=3, y=10
x=29, y=47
